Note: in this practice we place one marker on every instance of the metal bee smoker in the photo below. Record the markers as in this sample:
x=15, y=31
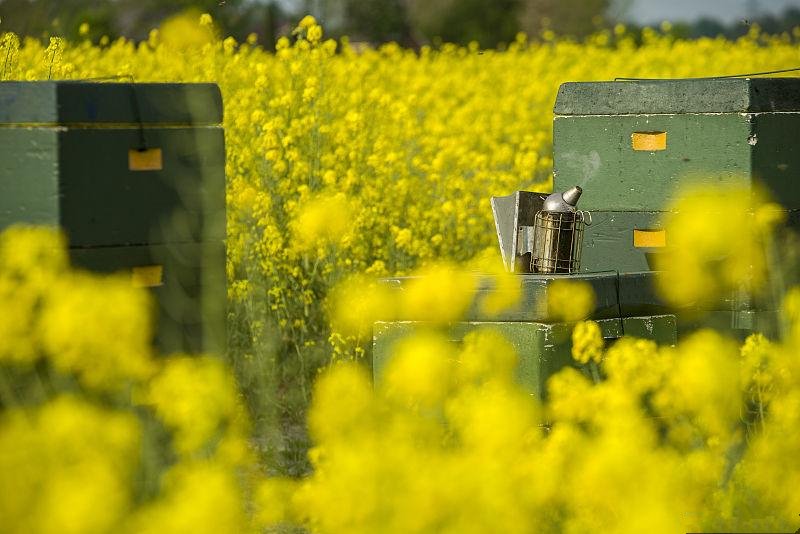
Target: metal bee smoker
x=558, y=234
x=540, y=233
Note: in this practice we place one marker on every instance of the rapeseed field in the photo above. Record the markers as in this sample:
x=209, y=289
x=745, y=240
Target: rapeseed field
x=346, y=163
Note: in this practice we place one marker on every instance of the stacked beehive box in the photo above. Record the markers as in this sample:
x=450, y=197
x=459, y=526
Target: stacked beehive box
x=134, y=174
x=632, y=143
x=624, y=305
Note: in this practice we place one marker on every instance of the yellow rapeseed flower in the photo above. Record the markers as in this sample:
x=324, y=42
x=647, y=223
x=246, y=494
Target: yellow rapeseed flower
x=421, y=370
x=486, y=355
x=67, y=466
x=587, y=342
x=307, y=22
x=186, y=32
x=360, y=301
x=195, y=397
x=439, y=294
x=342, y=402
x=197, y=497
x=716, y=244
x=569, y=300
x=99, y=329
x=314, y=33
x=704, y=384
x=31, y=260
x=321, y=221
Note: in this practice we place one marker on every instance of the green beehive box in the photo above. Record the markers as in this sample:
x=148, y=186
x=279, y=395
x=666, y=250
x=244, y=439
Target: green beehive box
x=624, y=305
x=542, y=349
x=631, y=143
x=134, y=174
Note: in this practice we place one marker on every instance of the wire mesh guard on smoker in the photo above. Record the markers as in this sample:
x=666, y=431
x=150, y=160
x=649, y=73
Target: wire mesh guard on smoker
x=557, y=242
x=558, y=234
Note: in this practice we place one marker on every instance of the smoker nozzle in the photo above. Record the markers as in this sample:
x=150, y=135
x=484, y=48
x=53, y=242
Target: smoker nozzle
x=572, y=195
x=563, y=202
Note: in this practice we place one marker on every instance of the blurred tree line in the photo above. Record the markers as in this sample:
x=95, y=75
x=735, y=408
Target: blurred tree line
x=771, y=24
x=409, y=22
x=135, y=18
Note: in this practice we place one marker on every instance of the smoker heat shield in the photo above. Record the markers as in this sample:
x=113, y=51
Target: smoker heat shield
x=514, y=217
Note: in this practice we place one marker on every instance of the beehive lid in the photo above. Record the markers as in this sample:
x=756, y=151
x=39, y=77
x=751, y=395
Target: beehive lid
x=70, y=102
x=731, y=95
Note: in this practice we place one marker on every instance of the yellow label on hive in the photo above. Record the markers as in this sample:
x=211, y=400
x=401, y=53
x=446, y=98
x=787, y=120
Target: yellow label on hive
x=649, y=141
x=649, y=238
x=145, y=160
x=147, y=276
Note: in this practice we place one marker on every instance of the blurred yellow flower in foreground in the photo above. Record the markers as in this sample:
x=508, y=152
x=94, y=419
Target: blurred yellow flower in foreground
x=201, y=498
x=569, y=300
x=637, y=364
x=31, y=259
x=439, y=294
x=322, y=220
x=421, y=371
x=66, y=467
x=485, y=355
x=99, y=329
x=197, y=398
x=506, y=289
x=716, y=238
x=183, y=32
x=704, y=383
x=358, y=302
x=344, y=395
x=75, y=454
x=32, y=255
x=307, y=22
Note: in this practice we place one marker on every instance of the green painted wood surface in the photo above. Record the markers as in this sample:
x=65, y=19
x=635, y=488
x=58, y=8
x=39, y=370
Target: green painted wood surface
x=738, y=95
x=104, y=203
x=595, y=152
x=76, y=174
x=542, y=349
x=660, y=328
x=608, y=241
x=191, y=302
x=28, y=176
x=79, y=179
x=28, y=102
x=73, y=102
x=736, y=131
x=776, y=155
x=736, y=324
